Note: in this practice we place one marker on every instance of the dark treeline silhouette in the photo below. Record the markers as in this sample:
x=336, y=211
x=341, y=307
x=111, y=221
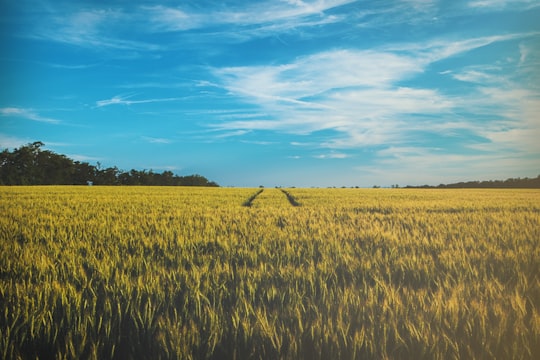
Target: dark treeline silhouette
x=31, y=165
x=518, y=183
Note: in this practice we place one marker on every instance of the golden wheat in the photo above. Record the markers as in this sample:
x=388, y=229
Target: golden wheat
x=131, y=272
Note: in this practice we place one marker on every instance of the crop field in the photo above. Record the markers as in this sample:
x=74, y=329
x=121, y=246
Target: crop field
x=222, y=273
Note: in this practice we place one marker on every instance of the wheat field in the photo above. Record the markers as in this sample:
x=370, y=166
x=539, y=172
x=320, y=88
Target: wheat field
x=222, y=273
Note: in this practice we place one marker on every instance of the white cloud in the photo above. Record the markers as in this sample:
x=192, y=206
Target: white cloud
x=91, y=28
x=232, y=134
x=332, y=155
x=258, y=142
x=163, y=167
x=302, y=80
x=123, y=100
x=349, y=91
x=502, y=4
x=115, y=100
x=319, y=73
x=83, y=158
x=107, y=27
x=356, y=97
x=155, y=140
x=436, y=50
x=267, y=16
x=11, y=142
x=409, y=165
x=501, y=147
x=342, y=90
x=170, y=19
x=476, y=76
x=524, y=52
x=27, y=114
x=521, y=129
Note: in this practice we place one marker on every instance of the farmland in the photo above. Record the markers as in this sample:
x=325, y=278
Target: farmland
x=166, y=272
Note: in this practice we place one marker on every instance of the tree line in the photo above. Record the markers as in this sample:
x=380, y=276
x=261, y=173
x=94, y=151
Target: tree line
x=31, y=165
x=511, y=183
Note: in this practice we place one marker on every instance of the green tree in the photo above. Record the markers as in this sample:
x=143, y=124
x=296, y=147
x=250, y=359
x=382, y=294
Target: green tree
x=31, y=165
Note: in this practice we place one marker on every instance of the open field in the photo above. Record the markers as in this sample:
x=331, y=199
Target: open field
x=168, y=272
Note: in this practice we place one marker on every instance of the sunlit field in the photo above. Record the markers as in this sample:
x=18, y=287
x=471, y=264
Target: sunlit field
x=195, y=273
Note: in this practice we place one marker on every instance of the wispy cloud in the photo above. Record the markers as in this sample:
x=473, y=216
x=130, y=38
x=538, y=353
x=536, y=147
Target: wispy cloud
x=84, y=158
x=476, y=75
x=520, y=130
x=163, y=167
x=119, y=28
x=154, y=140
x=258, y=142
x=269, y=16
x=123, y=100
x=439, y=49
x=11, y=142
x=341, y=90
x=27, y=114
x=502, y=4
x=315, y=74
x=232, y=134
x=360, y=96
x=91, y=28
x=434, y=166
x=383, y=14
x=332, y=155
x=74, y=67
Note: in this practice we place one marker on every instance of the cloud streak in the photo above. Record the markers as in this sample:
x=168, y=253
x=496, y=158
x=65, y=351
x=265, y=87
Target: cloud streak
x=106, y=28
x=27, y=114
x=361, y=97
x=154, y=140
x=270, y=16
x=502, y=4
x=11, y=142
x=123, y=100
x=115, y=27
x=97, y=28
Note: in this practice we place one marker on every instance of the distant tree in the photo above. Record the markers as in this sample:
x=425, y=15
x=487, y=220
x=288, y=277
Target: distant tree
x=31, y=165
x=108, y=176
x=195, y=180
x=167, y=178
x=21, y=166
x=83, y=172
x=508, y=183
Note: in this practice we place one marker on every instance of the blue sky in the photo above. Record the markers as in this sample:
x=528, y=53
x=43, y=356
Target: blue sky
x=290, y=93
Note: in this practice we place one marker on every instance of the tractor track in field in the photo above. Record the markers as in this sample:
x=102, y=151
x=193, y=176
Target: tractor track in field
x=292, y=200
x=249, y=201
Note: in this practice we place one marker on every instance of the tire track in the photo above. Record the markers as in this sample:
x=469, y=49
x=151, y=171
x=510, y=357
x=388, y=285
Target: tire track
x=291, y=198
x=252, y=198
